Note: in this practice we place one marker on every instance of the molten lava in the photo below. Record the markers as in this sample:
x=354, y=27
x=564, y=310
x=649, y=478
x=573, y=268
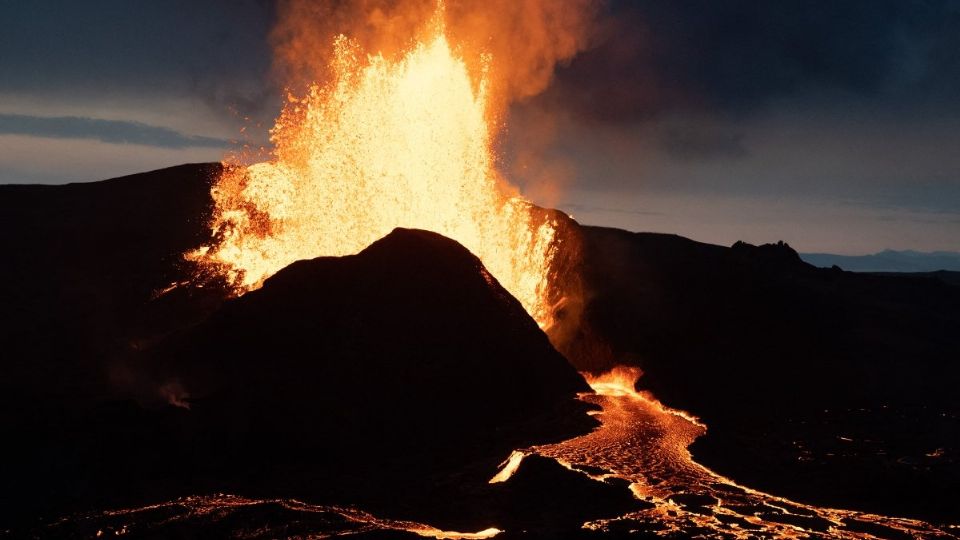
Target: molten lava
x=385, y=144
x=645, y=443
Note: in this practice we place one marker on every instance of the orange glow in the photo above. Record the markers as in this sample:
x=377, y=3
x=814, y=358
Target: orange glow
x=621, y=382
x=187, y=508
x=643, y=442
x=385, y=144
x=508, y=467
x=431, y=532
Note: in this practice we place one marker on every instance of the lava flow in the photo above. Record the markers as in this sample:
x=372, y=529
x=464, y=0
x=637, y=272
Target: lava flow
x=228, y=513
x=645, y=443
x=387, y=143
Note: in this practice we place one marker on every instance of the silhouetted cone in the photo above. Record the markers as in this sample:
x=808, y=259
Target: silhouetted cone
x=412, y=337
x=401, y=365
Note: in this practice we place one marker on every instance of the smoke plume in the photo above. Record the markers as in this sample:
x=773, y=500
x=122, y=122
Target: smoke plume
x=526, y=39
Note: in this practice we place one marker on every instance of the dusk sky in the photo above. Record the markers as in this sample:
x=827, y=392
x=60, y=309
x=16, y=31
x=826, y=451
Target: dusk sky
x=834, y=126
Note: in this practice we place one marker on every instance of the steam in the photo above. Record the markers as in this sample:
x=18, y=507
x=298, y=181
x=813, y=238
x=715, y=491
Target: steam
x=527, y=39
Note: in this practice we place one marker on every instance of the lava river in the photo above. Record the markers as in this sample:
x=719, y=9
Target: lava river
x=645, y=443
x=639, y=440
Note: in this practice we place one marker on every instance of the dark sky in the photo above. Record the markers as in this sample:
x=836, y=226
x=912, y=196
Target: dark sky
x=832, y=125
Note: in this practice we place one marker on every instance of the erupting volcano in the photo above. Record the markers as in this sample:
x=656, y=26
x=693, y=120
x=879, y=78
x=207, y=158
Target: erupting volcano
x=385, y=143
x=369, y=316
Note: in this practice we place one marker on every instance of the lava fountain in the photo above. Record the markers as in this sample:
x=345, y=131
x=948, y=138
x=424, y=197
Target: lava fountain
x=385, y=143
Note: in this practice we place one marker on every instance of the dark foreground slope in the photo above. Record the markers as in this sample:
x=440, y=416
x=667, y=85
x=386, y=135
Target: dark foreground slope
x=829, y=386
x=396, y=379
x=402, y=362
x=80, y=262
x=405, y=368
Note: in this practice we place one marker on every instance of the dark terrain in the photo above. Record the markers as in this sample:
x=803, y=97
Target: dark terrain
x=342, y=376
x=832, y=387
x=396, y=379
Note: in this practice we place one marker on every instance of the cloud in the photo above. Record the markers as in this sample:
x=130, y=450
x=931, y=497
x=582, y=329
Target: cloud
x=108, y=131
x=214, y=50
x=736, y=56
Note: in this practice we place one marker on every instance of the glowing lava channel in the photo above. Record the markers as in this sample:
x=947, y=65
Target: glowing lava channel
x=385, y=144
x=642, y=441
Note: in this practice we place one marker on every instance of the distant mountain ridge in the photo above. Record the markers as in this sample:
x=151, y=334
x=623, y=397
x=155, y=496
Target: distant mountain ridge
x=888, y=260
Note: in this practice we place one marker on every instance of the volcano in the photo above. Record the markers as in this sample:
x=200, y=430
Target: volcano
x=406, y=364
x=132, y=377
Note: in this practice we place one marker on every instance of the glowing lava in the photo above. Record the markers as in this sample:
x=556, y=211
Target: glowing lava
x=201, y=511
x=642, y=441
x=404, y=143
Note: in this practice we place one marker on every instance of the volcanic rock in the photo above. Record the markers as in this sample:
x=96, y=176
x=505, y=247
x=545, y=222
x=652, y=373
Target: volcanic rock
x=406, y=366
x=553, y=501
x=778, y=358
x=81, y=264
x=409, y=348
